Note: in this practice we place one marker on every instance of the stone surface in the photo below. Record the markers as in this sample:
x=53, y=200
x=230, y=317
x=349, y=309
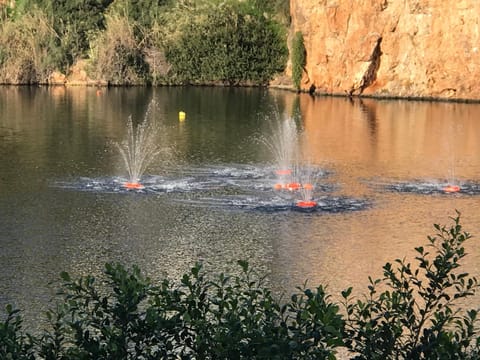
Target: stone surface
x=78, y=75
x=57, y=78
x=399, y=48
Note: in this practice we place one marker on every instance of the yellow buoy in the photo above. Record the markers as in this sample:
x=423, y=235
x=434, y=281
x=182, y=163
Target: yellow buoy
x=181, y=116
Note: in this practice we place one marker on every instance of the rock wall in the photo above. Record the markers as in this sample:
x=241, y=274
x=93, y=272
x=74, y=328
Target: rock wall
x=399, y=48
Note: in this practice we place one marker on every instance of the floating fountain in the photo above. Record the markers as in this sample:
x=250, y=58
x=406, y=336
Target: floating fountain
x=451, y=188
x=139, y=149
x=293, y=181
x=283, y=144
x=306, y=202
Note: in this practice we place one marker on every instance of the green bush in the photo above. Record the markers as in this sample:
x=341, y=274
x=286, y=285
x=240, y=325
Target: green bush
x=229, y=318
x=412, y=313
x=116, y=56
x=231, y=43
x=14, y=343
x=72, y=25
x=26, y=54
x=143, y=13
x=299, y=58
x=75, y=22
x=158, y=41
x=414, y=316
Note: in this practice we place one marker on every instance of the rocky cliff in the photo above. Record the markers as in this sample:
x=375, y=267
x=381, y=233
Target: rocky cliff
x=404, y=48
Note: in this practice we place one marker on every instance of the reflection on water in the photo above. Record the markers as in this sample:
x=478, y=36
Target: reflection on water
x=378, y=165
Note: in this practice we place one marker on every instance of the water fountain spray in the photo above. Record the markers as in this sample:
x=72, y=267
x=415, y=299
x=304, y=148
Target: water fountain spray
x=283, y=144
x=139, y=149
x=451, y=187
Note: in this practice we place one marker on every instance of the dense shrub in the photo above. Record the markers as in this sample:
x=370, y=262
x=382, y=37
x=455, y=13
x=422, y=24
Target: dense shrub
x=75, y=22
x=413, y=316
x=116, y=56
x=231, y=43
x=299, y=58
x=158, y=41
x=72, y=25
x=227, y=318
x=142, y=12
x=412, y=312
x=25, y=49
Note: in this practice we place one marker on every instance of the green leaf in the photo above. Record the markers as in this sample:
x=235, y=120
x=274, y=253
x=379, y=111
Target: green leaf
x=65, y=276
x=243, y=264
x=346, y=293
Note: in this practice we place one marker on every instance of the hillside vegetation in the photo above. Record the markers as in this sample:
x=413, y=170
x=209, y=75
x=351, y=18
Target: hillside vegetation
x=142, y=42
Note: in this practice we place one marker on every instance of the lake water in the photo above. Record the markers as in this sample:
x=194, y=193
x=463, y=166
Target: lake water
x=380, y=167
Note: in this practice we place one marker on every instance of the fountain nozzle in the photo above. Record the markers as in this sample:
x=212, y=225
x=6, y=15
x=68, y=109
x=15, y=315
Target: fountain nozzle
x=451, y=188
x=306, y=205
x=133, y=185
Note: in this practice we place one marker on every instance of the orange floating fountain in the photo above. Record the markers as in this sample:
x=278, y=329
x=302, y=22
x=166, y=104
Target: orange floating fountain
x=293, y=186
x=133, y=185
x=139, y=149
x=306, y=204
x=451, y=188
x=283, y=172
x=278, y=186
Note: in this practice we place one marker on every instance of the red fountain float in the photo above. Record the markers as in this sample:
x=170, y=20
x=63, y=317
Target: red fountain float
x=293, y=186
x=283, y=172
x=133, y=185
x=306, y=204
x=451, y=188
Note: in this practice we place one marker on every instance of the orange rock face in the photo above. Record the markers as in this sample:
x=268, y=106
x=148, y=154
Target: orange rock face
x=399, y=48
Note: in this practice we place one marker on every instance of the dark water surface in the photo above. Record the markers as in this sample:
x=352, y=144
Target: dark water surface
x=381, y=166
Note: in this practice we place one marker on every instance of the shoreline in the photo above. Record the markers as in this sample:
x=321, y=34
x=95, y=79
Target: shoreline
x=315, y=94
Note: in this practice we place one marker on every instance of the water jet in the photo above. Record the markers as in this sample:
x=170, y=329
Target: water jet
x=139, y=149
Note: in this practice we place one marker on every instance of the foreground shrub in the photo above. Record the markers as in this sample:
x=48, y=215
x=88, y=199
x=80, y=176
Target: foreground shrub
x=411, y=313
x=229, y=318
x=14, y=342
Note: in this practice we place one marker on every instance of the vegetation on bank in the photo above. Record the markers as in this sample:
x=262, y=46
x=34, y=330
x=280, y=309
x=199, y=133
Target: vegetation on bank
x=137, y=42
x=410, y=313
x=299, y=59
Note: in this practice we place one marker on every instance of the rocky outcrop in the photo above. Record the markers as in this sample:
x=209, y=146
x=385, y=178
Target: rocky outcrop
x=77, y=75
x=390, y=48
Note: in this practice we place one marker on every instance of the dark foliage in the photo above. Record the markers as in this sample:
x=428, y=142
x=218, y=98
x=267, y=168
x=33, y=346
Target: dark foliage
x=413, y=316
x=233, y=44
x=299, y=57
